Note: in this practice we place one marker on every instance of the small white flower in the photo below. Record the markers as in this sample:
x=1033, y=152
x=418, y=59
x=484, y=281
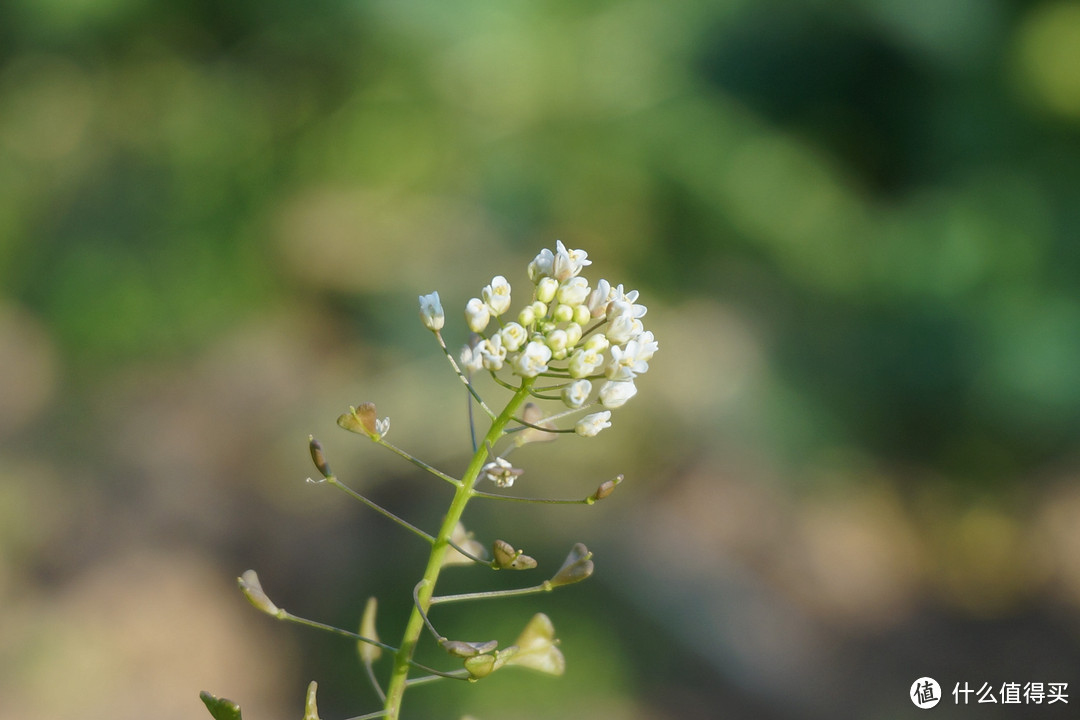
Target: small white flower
x=624, y=303
x=573, y=292
x=501, y=472
x=497, y=295
x=647, y=346
x=492, y=353
x=591, y=425
x=540, y=267
x=382, y=426
x=477, y=315
x=576, y=393
x=614, y=394
x=567, y=263
x=585, y=362
x=623, y=327
x=599, y=299
x=625, y=363
x=431, y=312
x=546, y=289
x=533, y=360
x=513, y=336
x=471, y=358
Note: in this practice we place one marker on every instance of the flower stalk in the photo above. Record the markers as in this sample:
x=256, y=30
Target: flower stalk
x=414, y=627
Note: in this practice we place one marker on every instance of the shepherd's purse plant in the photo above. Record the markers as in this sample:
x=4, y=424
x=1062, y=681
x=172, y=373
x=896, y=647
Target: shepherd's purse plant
x=567, y=359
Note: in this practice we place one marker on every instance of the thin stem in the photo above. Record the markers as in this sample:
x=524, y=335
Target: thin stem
x=545, y=586
x=463, y=674
x=472, y=420
x=370, y=716
x=462, y=377
x=502, y=382
x=418, y=462
x=375, y=682
x=539, y=501
x=289, y=617
x=416, y=604
x=415, y=625
x=466, y=553
x=380, y=509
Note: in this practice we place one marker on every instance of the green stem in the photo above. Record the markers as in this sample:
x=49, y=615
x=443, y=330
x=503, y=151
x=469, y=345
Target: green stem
x=545, y=586
x=415, y=626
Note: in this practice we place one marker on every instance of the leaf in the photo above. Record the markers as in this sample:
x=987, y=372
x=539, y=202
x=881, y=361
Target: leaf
x=220, y=708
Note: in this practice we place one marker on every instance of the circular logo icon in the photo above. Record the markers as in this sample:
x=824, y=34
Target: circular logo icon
x=925, y=693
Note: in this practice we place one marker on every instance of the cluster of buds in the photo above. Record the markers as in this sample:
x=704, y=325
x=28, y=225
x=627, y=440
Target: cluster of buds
x=589, y=338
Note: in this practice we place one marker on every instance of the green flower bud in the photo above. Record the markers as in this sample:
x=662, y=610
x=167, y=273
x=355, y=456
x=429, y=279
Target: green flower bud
x=369, y=653
x=252, y=589
x=311, y=712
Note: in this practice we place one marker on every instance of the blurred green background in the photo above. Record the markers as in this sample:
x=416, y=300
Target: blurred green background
x=852, y=464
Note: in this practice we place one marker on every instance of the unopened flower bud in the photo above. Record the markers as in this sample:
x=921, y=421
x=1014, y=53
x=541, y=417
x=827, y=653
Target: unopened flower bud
x=431, y=312
x=369, y=653
x=591, y=425
x=573, y=292
x=576, y=393
x=497, y=295
x=556, y=340
x=614, y=394
x=252, y=589
x=546, y=289
x=539, y=309
x=220, y=707
x=597, y=342
x=471, y=358
x=573, y=334
x=562, y=313
x=311, y=710
x=541, y=265
x=606, y=488
x=477, y=315
x=527, y=316
x=318, y=458
x=513, y=336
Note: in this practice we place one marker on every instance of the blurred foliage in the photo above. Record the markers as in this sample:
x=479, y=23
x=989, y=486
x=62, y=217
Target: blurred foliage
x=858, y=221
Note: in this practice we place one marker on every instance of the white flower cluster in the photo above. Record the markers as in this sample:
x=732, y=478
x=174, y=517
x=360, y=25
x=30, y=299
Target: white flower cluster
x=568, y=330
